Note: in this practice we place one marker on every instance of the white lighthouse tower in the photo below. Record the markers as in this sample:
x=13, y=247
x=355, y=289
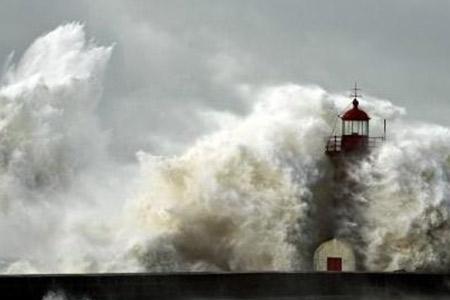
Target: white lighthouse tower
x=334, y=252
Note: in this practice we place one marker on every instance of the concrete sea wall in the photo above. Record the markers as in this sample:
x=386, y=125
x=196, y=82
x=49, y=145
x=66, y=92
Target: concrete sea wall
x=229, y=286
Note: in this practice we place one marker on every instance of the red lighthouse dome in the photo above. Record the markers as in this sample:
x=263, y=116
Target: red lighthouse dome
x=355, y=114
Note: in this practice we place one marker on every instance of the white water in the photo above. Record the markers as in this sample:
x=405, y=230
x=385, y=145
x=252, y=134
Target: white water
x=61, y=295
x=57, y=191
x=239, y=199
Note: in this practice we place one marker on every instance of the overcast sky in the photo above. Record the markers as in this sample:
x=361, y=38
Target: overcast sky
x=173, y=57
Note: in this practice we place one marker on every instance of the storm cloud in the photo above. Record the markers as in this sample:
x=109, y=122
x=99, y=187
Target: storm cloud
x=175, y=61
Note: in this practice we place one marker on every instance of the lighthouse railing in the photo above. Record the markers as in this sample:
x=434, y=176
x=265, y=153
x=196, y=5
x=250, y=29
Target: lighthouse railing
x=375, y=141
x=334, y=143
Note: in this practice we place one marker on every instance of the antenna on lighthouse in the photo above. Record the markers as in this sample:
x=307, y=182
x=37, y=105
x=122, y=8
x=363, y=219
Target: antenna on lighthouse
x=355, y=90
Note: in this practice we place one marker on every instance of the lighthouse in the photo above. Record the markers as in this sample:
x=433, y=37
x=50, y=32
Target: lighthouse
x=333, y=251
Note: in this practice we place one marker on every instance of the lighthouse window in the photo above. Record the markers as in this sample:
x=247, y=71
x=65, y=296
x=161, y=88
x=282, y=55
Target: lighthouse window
x=355, y=129
x=364, y=128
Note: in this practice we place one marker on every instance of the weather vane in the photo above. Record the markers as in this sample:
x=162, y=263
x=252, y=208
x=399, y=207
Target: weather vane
x=355, y=92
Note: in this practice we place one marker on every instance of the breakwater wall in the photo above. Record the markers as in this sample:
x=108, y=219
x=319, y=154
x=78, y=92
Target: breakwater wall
x=260, y=285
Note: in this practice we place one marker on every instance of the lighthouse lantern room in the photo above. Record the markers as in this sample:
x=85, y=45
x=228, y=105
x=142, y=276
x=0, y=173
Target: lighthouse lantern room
x=354, y=136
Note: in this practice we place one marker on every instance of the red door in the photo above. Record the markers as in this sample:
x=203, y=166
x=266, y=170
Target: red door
x=334, y=264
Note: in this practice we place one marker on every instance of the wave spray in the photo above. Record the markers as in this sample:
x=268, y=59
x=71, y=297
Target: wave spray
x=243, y=198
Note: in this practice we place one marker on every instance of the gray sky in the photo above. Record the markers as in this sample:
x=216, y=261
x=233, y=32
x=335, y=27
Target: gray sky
x=174, y=58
